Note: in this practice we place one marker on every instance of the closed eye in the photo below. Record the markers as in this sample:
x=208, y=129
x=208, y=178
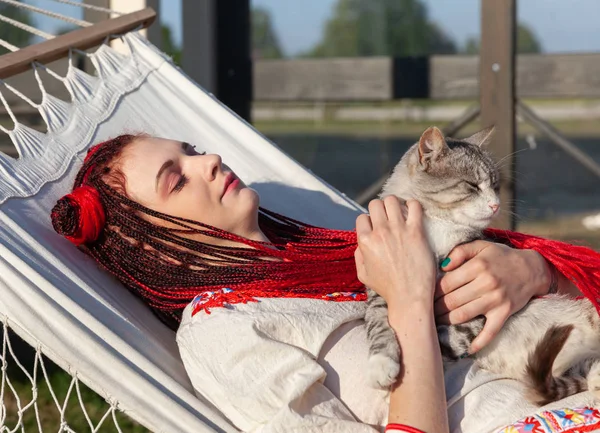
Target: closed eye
x=183, y=180
x=472, y=185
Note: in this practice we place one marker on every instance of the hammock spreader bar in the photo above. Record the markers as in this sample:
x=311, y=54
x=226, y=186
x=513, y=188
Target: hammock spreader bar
x=82, y=39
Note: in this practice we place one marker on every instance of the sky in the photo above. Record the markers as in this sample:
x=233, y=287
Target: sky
x=561, y=25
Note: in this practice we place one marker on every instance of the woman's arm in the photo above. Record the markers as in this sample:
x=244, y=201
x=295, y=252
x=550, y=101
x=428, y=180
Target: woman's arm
x=558, y=282
x=394, y=259
x=420, y=389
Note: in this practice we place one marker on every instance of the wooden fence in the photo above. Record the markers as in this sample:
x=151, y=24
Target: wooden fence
x=434, y=77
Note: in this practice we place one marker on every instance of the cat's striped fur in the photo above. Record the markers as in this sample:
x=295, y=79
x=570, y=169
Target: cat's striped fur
x=552, y=345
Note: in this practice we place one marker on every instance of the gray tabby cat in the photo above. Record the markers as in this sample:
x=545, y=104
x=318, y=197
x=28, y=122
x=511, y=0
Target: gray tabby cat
x=552, y=345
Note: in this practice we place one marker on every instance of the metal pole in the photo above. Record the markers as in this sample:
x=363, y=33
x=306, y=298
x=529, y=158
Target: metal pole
x=557, y=138
x=497, y=93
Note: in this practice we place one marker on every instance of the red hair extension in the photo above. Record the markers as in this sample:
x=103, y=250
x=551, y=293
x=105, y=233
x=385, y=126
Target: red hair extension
x=79, y=216
x=168, y=268
x=579, y=264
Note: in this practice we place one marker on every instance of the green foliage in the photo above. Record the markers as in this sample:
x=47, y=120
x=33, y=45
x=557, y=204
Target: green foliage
x=13, y=34
x=381, y=28
x=265, y=43
x=168, y=44
x=527, y=42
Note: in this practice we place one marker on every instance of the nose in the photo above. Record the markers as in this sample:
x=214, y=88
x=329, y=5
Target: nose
x=212, y=166
x=494, y=207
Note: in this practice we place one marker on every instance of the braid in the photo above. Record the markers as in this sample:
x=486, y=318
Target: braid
x=167, y=268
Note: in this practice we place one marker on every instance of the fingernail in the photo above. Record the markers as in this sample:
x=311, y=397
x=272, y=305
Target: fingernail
x=446, y=262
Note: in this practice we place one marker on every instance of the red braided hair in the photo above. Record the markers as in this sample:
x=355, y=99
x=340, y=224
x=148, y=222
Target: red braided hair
x=168, y=270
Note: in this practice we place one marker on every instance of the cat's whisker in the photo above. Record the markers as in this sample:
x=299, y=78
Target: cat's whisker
x=509, y=155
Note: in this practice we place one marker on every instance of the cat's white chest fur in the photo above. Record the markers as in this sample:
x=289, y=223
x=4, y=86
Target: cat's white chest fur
x=443, y=235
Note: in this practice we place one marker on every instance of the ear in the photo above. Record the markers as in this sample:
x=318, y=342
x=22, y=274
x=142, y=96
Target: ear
x=481, y=138
x=431, y=144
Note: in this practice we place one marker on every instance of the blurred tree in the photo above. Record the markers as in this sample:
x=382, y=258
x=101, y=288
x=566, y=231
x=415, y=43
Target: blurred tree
x=472, y=46
x=12, y=34
x=265, y=43
x=168, y=44
x=381, y=28
x=527, y=42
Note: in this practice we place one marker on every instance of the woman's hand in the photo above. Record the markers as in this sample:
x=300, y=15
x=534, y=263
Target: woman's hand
x=484, y=278
x=393, y=256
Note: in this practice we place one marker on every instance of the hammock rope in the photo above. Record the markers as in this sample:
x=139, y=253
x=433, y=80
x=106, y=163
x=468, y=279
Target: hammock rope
x=15, y=405
x=26, y=27
x=70, y=20
x=88, y=6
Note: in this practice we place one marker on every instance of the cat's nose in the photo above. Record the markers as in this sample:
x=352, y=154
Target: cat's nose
x=494, y=207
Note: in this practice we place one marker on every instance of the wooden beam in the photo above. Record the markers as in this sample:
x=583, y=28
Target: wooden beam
x=497, y=94
x=54, y=49
x=324, y=80
x=437, y=77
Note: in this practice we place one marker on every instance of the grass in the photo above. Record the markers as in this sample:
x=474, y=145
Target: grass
x=49, y=413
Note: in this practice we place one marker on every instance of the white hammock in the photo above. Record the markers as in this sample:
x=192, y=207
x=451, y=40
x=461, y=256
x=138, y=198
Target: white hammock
x=57, y=299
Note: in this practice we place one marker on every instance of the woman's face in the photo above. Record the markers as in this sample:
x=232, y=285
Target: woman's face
x=172, y=177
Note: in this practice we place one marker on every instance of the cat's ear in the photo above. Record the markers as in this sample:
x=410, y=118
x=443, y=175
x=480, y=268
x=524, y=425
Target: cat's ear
x=431, y=144
x=481, y=138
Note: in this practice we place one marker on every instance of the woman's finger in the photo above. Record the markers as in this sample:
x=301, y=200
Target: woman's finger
x=415, y=212
x=393, y=208
x=377, y=213
x=493, y=324
x=360, y=264
x=458, y=298
x=456, y=279
x=462, y=254
x=363, y=225
x=478, y=307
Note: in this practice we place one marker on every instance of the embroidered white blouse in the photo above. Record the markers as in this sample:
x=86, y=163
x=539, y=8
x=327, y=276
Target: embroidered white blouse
x=282, y=365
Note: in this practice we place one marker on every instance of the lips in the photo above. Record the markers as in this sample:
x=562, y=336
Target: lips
x=231, y=182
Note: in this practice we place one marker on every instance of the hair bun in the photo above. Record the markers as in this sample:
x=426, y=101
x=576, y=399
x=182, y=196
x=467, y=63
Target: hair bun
x=79, y=216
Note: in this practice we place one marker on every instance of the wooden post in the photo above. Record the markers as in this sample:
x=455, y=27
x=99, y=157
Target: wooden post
x=497, y=93
x=216, y=50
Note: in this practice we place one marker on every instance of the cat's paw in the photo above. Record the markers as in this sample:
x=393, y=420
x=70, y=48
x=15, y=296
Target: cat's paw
x=383, y=371
x=593, y=380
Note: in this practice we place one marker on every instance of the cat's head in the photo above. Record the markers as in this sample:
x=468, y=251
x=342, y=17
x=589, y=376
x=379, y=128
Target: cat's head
x=454, y=180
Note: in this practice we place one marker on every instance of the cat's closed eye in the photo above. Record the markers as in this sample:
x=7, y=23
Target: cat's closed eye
x=472, y=185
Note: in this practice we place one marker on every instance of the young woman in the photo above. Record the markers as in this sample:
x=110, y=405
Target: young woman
x=268, y=309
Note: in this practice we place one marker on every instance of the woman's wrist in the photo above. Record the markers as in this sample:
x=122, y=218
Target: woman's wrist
x=408, y=315
x=544, y=275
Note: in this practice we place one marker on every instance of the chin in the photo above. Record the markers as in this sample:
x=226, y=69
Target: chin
x=250, y=197
x=476, y=222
